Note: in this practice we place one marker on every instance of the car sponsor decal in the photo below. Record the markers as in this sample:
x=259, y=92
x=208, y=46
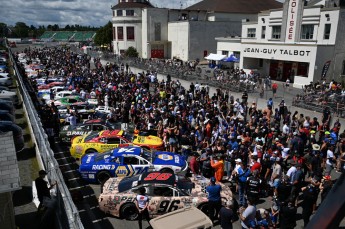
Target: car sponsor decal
x=177, y=159
x=123, y=170
x=103, y=167
x=167, y=206
x=158, y=176
x=91, y=176
x=89, y=157
x=78, y=149
x=141, y=139
x=165, y=157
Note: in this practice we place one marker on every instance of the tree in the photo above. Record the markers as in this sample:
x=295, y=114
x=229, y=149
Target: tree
x=104, y=35
x=131, y=52
x=21, y=30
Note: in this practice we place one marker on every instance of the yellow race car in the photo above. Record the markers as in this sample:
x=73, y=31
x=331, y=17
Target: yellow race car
x=109, y=139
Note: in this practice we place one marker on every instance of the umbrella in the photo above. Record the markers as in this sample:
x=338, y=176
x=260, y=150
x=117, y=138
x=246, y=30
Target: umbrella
x=231, y=58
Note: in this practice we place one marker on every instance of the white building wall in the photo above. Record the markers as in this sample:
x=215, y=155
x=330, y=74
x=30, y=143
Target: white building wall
x=178, y=34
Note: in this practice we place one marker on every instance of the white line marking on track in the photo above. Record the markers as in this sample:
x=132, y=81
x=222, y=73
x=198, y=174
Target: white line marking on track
x=99, y=220
x=76, y=178
x=75, y=188
x=88, y=196
x=83, y=210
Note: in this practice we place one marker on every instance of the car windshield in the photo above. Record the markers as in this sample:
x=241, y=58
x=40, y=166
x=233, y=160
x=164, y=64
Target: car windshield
x=127, y=183
x=145, y=153
x=91, y=136
x=185, y=184
x=101, y=156
x=128, y=136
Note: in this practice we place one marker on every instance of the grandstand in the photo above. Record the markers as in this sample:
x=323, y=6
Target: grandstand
x=47, y=35
x=68, y=35
x=83, y=36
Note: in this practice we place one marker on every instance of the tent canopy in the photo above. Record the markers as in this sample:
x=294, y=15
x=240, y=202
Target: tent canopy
x=213, y=56
x=231, y=58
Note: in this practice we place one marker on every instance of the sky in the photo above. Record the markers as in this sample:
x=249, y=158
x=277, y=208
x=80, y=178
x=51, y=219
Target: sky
x=62, y=12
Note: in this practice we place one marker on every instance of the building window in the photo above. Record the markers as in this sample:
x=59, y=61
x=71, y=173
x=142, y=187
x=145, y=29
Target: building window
x=130, y=33
x=276, y=31
x=119, y=13
x=251, y=32
x=307, y=32
x=157, y=31
x=263, y=32
x=113, y=13
x=226, y=53
x=343, y=70
x=114, y=34
x=237, y=55
x=120, y=33
x=261, y=63
x=327, y=31
x=129, y=12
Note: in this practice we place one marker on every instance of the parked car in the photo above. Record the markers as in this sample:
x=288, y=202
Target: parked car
x=7, y=105
x=9, y=95
x=5, y=80
x=6, y=126
x=68, y=132
x=129, y=161
x=6, y=116
x=167, y=192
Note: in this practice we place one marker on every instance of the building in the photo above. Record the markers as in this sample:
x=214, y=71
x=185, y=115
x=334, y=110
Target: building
x=303, y=42
x=186, y=34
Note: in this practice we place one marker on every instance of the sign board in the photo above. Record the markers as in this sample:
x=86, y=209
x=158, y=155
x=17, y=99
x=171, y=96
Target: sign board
x=292, y=20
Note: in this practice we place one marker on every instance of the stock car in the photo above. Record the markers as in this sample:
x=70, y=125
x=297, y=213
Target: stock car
x=129, y=161
x=110, y=139
x=167, y=192
x=68, y=132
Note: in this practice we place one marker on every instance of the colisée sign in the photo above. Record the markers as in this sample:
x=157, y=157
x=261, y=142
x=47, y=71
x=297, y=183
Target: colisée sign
x=291, y=22
x=288, y=52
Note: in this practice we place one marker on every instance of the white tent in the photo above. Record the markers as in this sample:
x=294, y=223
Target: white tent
x=213, y=56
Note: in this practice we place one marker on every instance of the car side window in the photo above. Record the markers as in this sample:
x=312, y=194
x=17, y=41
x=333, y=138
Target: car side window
x=97, y=128
x=143, y=162
x=163, y=191
x=116, y=160
x=131, y=161
x=113, y=141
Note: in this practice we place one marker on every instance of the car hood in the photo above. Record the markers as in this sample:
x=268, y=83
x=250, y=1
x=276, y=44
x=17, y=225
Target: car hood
x=88, y=159
x=169, y=158
x=78, y=139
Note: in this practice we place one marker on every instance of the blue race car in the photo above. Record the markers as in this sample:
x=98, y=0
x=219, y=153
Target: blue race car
x=128, y=161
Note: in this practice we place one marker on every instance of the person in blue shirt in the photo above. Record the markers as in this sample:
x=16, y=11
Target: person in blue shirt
x=243, y=174
x=233, y=143
x=214, y=200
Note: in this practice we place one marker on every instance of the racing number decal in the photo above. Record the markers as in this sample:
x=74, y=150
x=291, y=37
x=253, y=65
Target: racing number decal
x=141, y=139
x=158, y=176
x=166, y=206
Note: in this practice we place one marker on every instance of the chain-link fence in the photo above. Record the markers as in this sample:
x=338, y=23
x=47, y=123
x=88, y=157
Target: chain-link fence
x=66, y=212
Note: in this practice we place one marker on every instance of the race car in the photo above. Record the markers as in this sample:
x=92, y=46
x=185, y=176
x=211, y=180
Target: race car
x=68, y=132
x=129, y=161
x=144, y=140
x=167, y=192
x=110, y=139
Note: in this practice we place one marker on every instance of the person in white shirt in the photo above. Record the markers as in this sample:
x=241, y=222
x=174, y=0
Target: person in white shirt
x=286, y=129
x=142, y=203
x=72, y=119
x=330, y=160
x=291, y=173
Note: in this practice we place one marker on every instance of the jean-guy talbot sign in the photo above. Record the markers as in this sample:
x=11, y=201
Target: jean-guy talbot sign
x=288, y=52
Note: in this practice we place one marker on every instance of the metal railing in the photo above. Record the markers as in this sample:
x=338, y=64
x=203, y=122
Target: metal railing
x=66, y=212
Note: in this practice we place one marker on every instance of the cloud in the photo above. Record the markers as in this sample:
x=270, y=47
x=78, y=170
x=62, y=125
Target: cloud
x=63, y=12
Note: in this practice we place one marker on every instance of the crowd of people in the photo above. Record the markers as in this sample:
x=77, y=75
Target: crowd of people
x=264, y=151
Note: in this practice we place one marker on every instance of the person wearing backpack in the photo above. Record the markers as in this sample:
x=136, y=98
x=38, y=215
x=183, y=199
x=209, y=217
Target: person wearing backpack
x=243, y=174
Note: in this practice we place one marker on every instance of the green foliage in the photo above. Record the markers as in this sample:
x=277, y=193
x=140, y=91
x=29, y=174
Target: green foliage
x=131, y=52
x=104, y=35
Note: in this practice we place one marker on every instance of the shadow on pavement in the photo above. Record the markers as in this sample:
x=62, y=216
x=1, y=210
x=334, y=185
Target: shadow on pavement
x=22, y=196
x=27, y=221
x=26, y=154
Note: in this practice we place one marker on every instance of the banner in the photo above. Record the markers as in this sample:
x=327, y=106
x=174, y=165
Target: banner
x=325, y=69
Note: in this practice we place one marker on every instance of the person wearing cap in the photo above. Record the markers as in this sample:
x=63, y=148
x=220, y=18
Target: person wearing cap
x=43, y=191
x=214, y=199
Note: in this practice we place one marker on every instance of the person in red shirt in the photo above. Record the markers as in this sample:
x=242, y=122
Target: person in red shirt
x=274, y=89
x=256, y=165
x=194, y=164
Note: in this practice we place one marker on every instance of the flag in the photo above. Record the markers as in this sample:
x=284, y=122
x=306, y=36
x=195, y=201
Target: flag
x=325, y=69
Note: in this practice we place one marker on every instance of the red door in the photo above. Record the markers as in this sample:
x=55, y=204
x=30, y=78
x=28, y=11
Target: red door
x=273, y=69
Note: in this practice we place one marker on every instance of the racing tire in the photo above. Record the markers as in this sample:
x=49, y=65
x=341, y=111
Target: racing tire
x=91, y=151
x=129, y=212
x=103, y=176
x=166, y=170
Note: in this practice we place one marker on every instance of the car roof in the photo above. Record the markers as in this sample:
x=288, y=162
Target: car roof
x=94, y=121
x=132, y=150
x=158, y=178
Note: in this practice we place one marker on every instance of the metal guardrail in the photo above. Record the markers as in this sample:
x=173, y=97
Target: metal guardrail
x=66, y=212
